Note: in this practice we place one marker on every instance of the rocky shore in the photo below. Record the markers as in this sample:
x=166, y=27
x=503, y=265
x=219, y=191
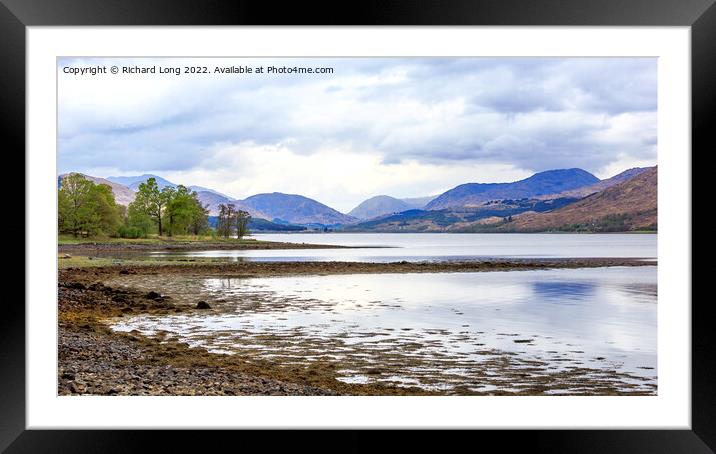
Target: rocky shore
x=255, y=269
x=93, y=359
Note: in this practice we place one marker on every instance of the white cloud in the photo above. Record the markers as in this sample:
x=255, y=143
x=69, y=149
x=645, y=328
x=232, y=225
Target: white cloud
x=405, y=127
x=340, y=178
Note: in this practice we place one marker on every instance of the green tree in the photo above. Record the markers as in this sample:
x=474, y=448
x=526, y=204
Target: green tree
x=138, y=223
x=180, y=210
x=152, y=202
x=184, y=212
x=86, y=208
x=199, y=222
x=74, y=212
x=107, y=212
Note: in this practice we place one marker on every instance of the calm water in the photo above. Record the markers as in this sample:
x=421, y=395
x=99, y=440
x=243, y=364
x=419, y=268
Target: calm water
x=437, y=331
x=380, y=247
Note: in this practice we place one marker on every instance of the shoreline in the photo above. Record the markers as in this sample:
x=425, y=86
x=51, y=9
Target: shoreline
x=283, y=268
x=94, y=359
x=179, y=245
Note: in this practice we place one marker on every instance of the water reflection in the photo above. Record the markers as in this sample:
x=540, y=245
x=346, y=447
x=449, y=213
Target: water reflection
x=376, y=247
x=432, y=328
x=564, y=291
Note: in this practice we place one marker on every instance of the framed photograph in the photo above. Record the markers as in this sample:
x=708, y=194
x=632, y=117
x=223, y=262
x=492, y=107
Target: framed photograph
x=445, y=215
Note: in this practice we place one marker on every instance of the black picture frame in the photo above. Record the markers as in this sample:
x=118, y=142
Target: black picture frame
x=700, y=15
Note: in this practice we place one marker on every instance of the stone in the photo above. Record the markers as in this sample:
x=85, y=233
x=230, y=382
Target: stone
x=203, y=305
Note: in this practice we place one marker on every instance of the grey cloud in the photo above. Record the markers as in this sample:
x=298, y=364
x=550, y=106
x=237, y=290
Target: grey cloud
x=414, y=118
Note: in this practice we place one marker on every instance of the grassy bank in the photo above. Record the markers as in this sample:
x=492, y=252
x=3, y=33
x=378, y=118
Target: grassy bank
x=153, y=240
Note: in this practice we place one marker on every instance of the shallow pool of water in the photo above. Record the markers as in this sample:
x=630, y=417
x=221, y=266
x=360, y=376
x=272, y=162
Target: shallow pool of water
x=560, y=331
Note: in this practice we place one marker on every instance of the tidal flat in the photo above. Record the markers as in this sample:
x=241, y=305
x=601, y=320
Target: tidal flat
x=507, y=327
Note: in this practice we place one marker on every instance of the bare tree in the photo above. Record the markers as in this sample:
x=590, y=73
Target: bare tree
x=227, y=220
x=242, y=223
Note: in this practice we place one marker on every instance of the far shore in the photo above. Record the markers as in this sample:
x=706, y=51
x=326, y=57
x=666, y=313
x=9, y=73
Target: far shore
x=68, y=245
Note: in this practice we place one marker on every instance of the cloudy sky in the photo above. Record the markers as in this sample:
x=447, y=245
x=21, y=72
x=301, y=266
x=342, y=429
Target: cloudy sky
x=402, y=127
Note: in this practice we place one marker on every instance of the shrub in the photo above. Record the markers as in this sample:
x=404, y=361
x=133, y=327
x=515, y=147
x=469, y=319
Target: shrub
x=128, y=231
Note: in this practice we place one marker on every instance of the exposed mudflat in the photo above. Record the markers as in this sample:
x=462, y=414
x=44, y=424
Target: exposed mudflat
x=95, y=359
x=194, y=266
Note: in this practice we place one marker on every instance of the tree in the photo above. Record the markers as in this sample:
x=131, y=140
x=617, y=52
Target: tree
x=199, y=218
x=178, y=209
x=184, y=212
x=152, y=202
x=85, y=207
x=105, y=208
x=138, y=223
x=74, y=213
x=242, y=223
x=227, y=220
x=221, y=220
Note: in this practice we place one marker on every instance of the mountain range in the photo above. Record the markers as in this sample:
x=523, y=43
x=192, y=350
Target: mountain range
x=384, y=204
x=584, y=191
x=542, y=183
x=630, y=204
x=133, y=182
x=542, y=201
x=296, y=209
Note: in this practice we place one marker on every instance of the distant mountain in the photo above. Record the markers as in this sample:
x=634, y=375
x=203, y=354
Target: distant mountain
x=203, y=189
x=133, y=182
x=548, y=182
x=455, y=219
x=212, y=200
x=122, y=194
x=262, y=225
x=296, y=209
x=600, y=186
x=541, y=201
x=206, y=196
x=629, y=205
x=419, y=202
x=379, y=206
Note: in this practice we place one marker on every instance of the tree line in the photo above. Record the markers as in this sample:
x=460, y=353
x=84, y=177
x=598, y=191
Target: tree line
x=88, y=209
x=232, y=221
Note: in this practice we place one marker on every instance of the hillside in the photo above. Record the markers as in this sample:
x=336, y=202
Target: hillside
x=212, y=200
x=565, y=199
x=203, y=189
x=379, y=206
x=296, y=209
x=122, y=194
x=419, y=202
x=630, y=205
x=548, y=182
x=262, y=225
x=133, y=182
x=602, y=185
x=454, y=219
